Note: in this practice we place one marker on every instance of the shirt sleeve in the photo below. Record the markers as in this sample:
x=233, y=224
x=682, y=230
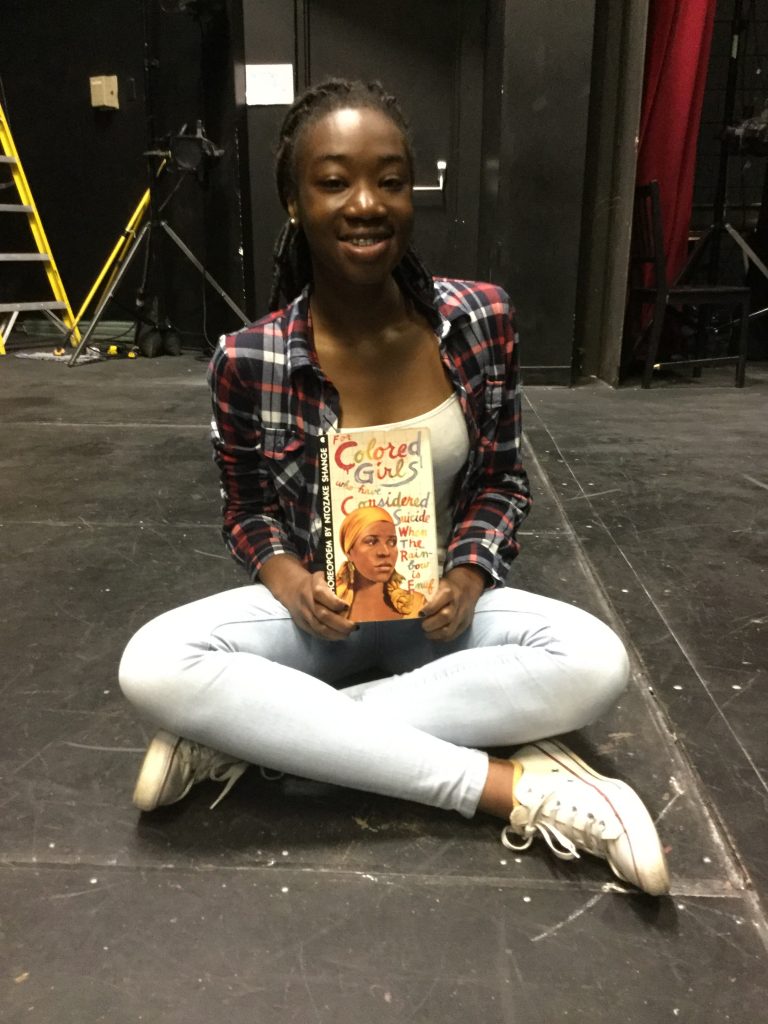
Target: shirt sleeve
x=499, y=496
x=253, y=529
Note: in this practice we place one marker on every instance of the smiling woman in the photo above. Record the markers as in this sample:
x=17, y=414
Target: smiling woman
x=353, y=197
x=361, y=335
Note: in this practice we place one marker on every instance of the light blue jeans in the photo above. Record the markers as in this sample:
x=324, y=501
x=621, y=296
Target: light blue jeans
x=233, y=672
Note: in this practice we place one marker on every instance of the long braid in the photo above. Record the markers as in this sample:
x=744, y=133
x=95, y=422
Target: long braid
x=292, y=265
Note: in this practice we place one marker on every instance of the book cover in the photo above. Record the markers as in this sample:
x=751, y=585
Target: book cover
x=379, y=525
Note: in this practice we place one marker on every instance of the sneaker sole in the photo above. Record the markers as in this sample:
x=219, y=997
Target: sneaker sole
x=154, y=771
x=647, y=850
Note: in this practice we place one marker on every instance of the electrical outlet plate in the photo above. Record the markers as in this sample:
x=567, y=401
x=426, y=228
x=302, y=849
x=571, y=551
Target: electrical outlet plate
x=104, y=92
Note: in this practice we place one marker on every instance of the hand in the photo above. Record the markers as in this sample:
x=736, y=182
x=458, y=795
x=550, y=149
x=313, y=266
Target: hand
x=450, y=611
x=312, y=604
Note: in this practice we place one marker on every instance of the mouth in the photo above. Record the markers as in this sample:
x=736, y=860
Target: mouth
x=366, y=246
x=365, y=241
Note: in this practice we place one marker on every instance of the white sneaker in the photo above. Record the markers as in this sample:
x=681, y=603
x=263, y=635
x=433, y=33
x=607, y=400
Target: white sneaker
x=572, y=806
x=173, y=765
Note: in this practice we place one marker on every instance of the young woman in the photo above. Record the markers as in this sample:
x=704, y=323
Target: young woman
x=265, y=674
x=368, y=581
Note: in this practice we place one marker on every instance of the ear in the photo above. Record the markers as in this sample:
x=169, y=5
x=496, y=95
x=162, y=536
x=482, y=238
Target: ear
x=293, y=209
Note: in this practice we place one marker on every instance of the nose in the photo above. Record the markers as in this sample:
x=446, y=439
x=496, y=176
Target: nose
x=364, y=201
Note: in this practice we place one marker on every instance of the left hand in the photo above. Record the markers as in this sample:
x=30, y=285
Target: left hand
x=450, y=611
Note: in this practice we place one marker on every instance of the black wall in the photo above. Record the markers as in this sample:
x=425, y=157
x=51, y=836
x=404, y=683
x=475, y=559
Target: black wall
x=87, y=170
x=546, y=83
x=536, y=98
x=86, y=167
x=269, y=37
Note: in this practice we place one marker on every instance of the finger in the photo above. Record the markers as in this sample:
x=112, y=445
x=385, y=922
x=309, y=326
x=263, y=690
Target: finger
x=442, y=599
x=447, y=632
x=322, y=594
x=439, y=620
x=330, y=625
x=317, y=628
x=326, y=598
x=443, y=634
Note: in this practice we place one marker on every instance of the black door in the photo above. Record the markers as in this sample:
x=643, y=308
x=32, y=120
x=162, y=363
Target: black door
x=430, y=55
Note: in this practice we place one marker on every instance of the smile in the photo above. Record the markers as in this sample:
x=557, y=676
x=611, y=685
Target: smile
x=366, y=248
x=361, y=241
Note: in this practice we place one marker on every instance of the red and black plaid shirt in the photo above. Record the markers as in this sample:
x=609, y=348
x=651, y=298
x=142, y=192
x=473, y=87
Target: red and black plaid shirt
x=271, y=401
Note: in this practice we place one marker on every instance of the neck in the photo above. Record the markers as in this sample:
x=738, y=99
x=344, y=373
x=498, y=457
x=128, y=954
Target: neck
x=355, y=311
x=364, y=585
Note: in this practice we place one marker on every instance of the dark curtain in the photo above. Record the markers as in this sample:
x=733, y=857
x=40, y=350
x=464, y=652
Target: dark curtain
x=677, y=55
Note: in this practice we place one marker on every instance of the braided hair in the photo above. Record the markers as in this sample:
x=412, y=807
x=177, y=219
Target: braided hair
x=292, y=264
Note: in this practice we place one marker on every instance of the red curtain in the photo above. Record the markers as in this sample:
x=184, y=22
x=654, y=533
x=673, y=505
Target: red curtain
x=677, y=55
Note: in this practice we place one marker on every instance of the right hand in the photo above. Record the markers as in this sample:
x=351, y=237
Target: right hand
x=312, y=604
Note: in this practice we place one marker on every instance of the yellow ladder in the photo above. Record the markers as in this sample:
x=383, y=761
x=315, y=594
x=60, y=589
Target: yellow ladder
x=57, y=309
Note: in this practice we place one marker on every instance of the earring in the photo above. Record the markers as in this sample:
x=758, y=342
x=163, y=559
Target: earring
x=293, y=222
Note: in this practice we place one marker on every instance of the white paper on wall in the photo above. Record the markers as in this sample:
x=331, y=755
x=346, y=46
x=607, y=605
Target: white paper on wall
x=268, y=84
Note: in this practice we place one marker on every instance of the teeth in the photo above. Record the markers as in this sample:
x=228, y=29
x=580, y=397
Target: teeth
x=364, y=241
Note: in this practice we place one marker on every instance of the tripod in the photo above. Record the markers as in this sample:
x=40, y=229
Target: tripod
x=153, y=225
x=711, y=241
x=188, y=152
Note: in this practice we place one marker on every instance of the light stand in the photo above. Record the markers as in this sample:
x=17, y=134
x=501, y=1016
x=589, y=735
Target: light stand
x=190, y=152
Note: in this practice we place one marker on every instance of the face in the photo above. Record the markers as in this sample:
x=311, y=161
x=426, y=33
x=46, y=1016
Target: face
x=353, y=196
x=374, y=553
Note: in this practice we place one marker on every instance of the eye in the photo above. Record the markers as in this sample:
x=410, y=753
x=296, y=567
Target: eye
x=392, y=542
x=393, y=183
x=332, y=184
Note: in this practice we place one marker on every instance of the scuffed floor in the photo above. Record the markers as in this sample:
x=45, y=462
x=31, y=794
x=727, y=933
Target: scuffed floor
x=296, y=902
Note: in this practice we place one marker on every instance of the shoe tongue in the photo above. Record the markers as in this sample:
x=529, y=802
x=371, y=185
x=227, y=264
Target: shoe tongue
x=517, y=774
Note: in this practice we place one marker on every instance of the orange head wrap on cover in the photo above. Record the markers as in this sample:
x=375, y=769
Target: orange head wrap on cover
x=357, y=522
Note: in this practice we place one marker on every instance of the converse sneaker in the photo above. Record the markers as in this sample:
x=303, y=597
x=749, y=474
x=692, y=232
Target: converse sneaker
x=173, y=765
x=570, y=805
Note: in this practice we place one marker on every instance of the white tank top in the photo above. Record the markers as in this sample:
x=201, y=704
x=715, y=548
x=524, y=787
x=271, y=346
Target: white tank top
x=450, y=447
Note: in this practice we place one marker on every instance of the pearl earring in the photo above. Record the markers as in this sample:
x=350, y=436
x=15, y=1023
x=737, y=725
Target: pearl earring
x=293, y=222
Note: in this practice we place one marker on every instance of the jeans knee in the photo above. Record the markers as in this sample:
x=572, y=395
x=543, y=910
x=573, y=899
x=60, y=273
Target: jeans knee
x=143, y=671
x=132, y=674
x=606, y=679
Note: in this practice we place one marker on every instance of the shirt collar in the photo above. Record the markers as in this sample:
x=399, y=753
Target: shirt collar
x=451, y=306
x=299, y=347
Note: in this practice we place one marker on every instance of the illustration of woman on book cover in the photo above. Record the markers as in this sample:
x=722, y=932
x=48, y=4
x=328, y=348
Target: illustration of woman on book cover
x=368, y=580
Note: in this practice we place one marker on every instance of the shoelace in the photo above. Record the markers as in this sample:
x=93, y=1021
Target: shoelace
x=229, y=773
x=589, y=830
x=205, y=763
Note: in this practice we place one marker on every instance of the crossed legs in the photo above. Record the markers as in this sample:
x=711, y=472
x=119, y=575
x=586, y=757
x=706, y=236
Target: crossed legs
x=233, y=672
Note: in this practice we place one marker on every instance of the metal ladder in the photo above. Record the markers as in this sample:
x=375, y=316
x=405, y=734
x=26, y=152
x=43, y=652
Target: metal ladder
x=58, y=309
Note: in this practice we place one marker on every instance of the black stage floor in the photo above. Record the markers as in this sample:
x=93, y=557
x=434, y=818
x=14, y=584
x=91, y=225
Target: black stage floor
x=295, y=902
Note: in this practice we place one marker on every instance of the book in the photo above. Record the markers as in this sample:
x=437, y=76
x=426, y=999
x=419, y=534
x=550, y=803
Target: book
x=377, y=499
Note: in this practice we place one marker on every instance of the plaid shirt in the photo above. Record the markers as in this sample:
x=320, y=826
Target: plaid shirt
x=271, y=401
